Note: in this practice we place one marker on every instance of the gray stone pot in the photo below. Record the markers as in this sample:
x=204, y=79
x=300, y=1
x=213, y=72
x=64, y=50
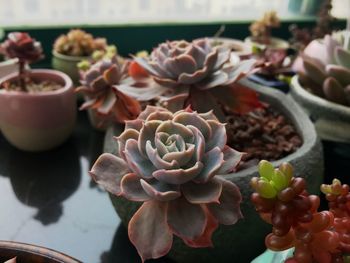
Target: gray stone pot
x=245, y=240
x=332, y=120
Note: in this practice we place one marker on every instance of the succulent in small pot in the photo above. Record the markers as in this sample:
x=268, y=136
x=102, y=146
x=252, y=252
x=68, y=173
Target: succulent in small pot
x=37, y=107
x=103, y=98
x=75, y=46
x=174, y=165
x=261, y=35
x=323, y=84
x=283, y=201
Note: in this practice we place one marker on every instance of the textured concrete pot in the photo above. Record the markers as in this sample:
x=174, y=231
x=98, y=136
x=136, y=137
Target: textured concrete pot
x=245, y=240
x=38, y=121
x=67, y=64
x=332, y=120
x=7, y=67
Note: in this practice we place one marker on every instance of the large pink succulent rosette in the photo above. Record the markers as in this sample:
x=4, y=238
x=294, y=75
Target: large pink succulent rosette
x=175, y=164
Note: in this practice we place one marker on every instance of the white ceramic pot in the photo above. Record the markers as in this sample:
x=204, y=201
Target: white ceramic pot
x=8, y=66
x=332, y=120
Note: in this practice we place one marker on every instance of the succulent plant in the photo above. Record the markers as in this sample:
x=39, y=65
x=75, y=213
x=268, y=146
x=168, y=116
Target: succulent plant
x=261, y=29
x=324, y=67
x=100, y=85
x=282, y=201
x=78, y=43
x=175, y=164
x=197, y=74
x=20, y=45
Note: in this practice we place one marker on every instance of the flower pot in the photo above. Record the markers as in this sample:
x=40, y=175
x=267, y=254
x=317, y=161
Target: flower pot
x=275, y=43
x=38, y=121
x=238, y=47
x=32, y=254
x=244, y=240
x=7, y=67
x=67, y=64
x=270, y=256
x=332, y=120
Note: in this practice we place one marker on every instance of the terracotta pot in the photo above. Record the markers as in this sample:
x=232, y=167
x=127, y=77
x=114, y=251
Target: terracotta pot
x=32, y=254
x=332, y=120
x=245, y=240
x=67, y=64
x=38, y=121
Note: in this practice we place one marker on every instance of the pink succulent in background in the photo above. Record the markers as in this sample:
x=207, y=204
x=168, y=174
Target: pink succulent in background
x=100, y=85
x=175, y=164
x=197, y=74
x=324, y=67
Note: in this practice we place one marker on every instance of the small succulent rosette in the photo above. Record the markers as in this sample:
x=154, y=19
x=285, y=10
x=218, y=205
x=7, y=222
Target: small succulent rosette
x=324, y=67
x=197, y=74
x=101, y=84
x=175, y=164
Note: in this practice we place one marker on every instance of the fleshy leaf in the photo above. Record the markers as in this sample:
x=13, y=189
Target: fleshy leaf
x=132, y=190
x=149, y=231
x=137, y=163
x=212, y=162
x=334, y=91
x=231, y=160
x=343, y=57
x=209, y=192
x=178, y=176
x=205, y=239
x=160, y=191
x=108, y=171
x=187, y=220
x=228, y=212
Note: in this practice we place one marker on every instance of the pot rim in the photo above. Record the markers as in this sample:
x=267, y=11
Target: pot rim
x=68, y=84
x=297, y=117
x=37, y=250
x=69, y=58
x=311, y=98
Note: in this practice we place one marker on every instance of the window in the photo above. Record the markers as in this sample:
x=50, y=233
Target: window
x=60, y=12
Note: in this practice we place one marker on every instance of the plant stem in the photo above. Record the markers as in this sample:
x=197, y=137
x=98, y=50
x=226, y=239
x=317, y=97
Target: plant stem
x=21, y=75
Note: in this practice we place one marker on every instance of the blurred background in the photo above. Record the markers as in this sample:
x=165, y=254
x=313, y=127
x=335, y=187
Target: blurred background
x=85, y=12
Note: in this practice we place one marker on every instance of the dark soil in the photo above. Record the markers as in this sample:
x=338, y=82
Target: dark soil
x=33, y=87
x=262, y=134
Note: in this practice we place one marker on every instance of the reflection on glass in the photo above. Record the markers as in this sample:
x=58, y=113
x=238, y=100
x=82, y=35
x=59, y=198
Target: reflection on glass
x=122, y=251
x=44, y=180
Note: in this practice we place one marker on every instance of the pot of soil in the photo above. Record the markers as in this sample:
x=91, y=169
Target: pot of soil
x=31, y=254
x=322, y=86
x=332, y=120
x=42, y=117
x=259, y=133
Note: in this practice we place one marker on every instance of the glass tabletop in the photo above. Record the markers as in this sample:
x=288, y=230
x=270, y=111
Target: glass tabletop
x=48, y=199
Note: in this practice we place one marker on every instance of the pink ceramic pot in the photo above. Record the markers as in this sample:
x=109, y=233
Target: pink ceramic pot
x=40, y=121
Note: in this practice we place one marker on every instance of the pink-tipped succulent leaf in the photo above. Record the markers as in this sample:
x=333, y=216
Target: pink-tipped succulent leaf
x=176, y=164
x=100, y=85
x=193, y=70
x=20, y=45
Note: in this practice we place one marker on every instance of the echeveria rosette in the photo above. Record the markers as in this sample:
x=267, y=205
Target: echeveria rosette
x=100, y=85
x=20, y=45
x=198, y=73
x=175, y=164
x=324, y=68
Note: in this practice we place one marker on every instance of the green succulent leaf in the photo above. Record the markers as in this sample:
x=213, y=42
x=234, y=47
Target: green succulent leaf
x=266, y=169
